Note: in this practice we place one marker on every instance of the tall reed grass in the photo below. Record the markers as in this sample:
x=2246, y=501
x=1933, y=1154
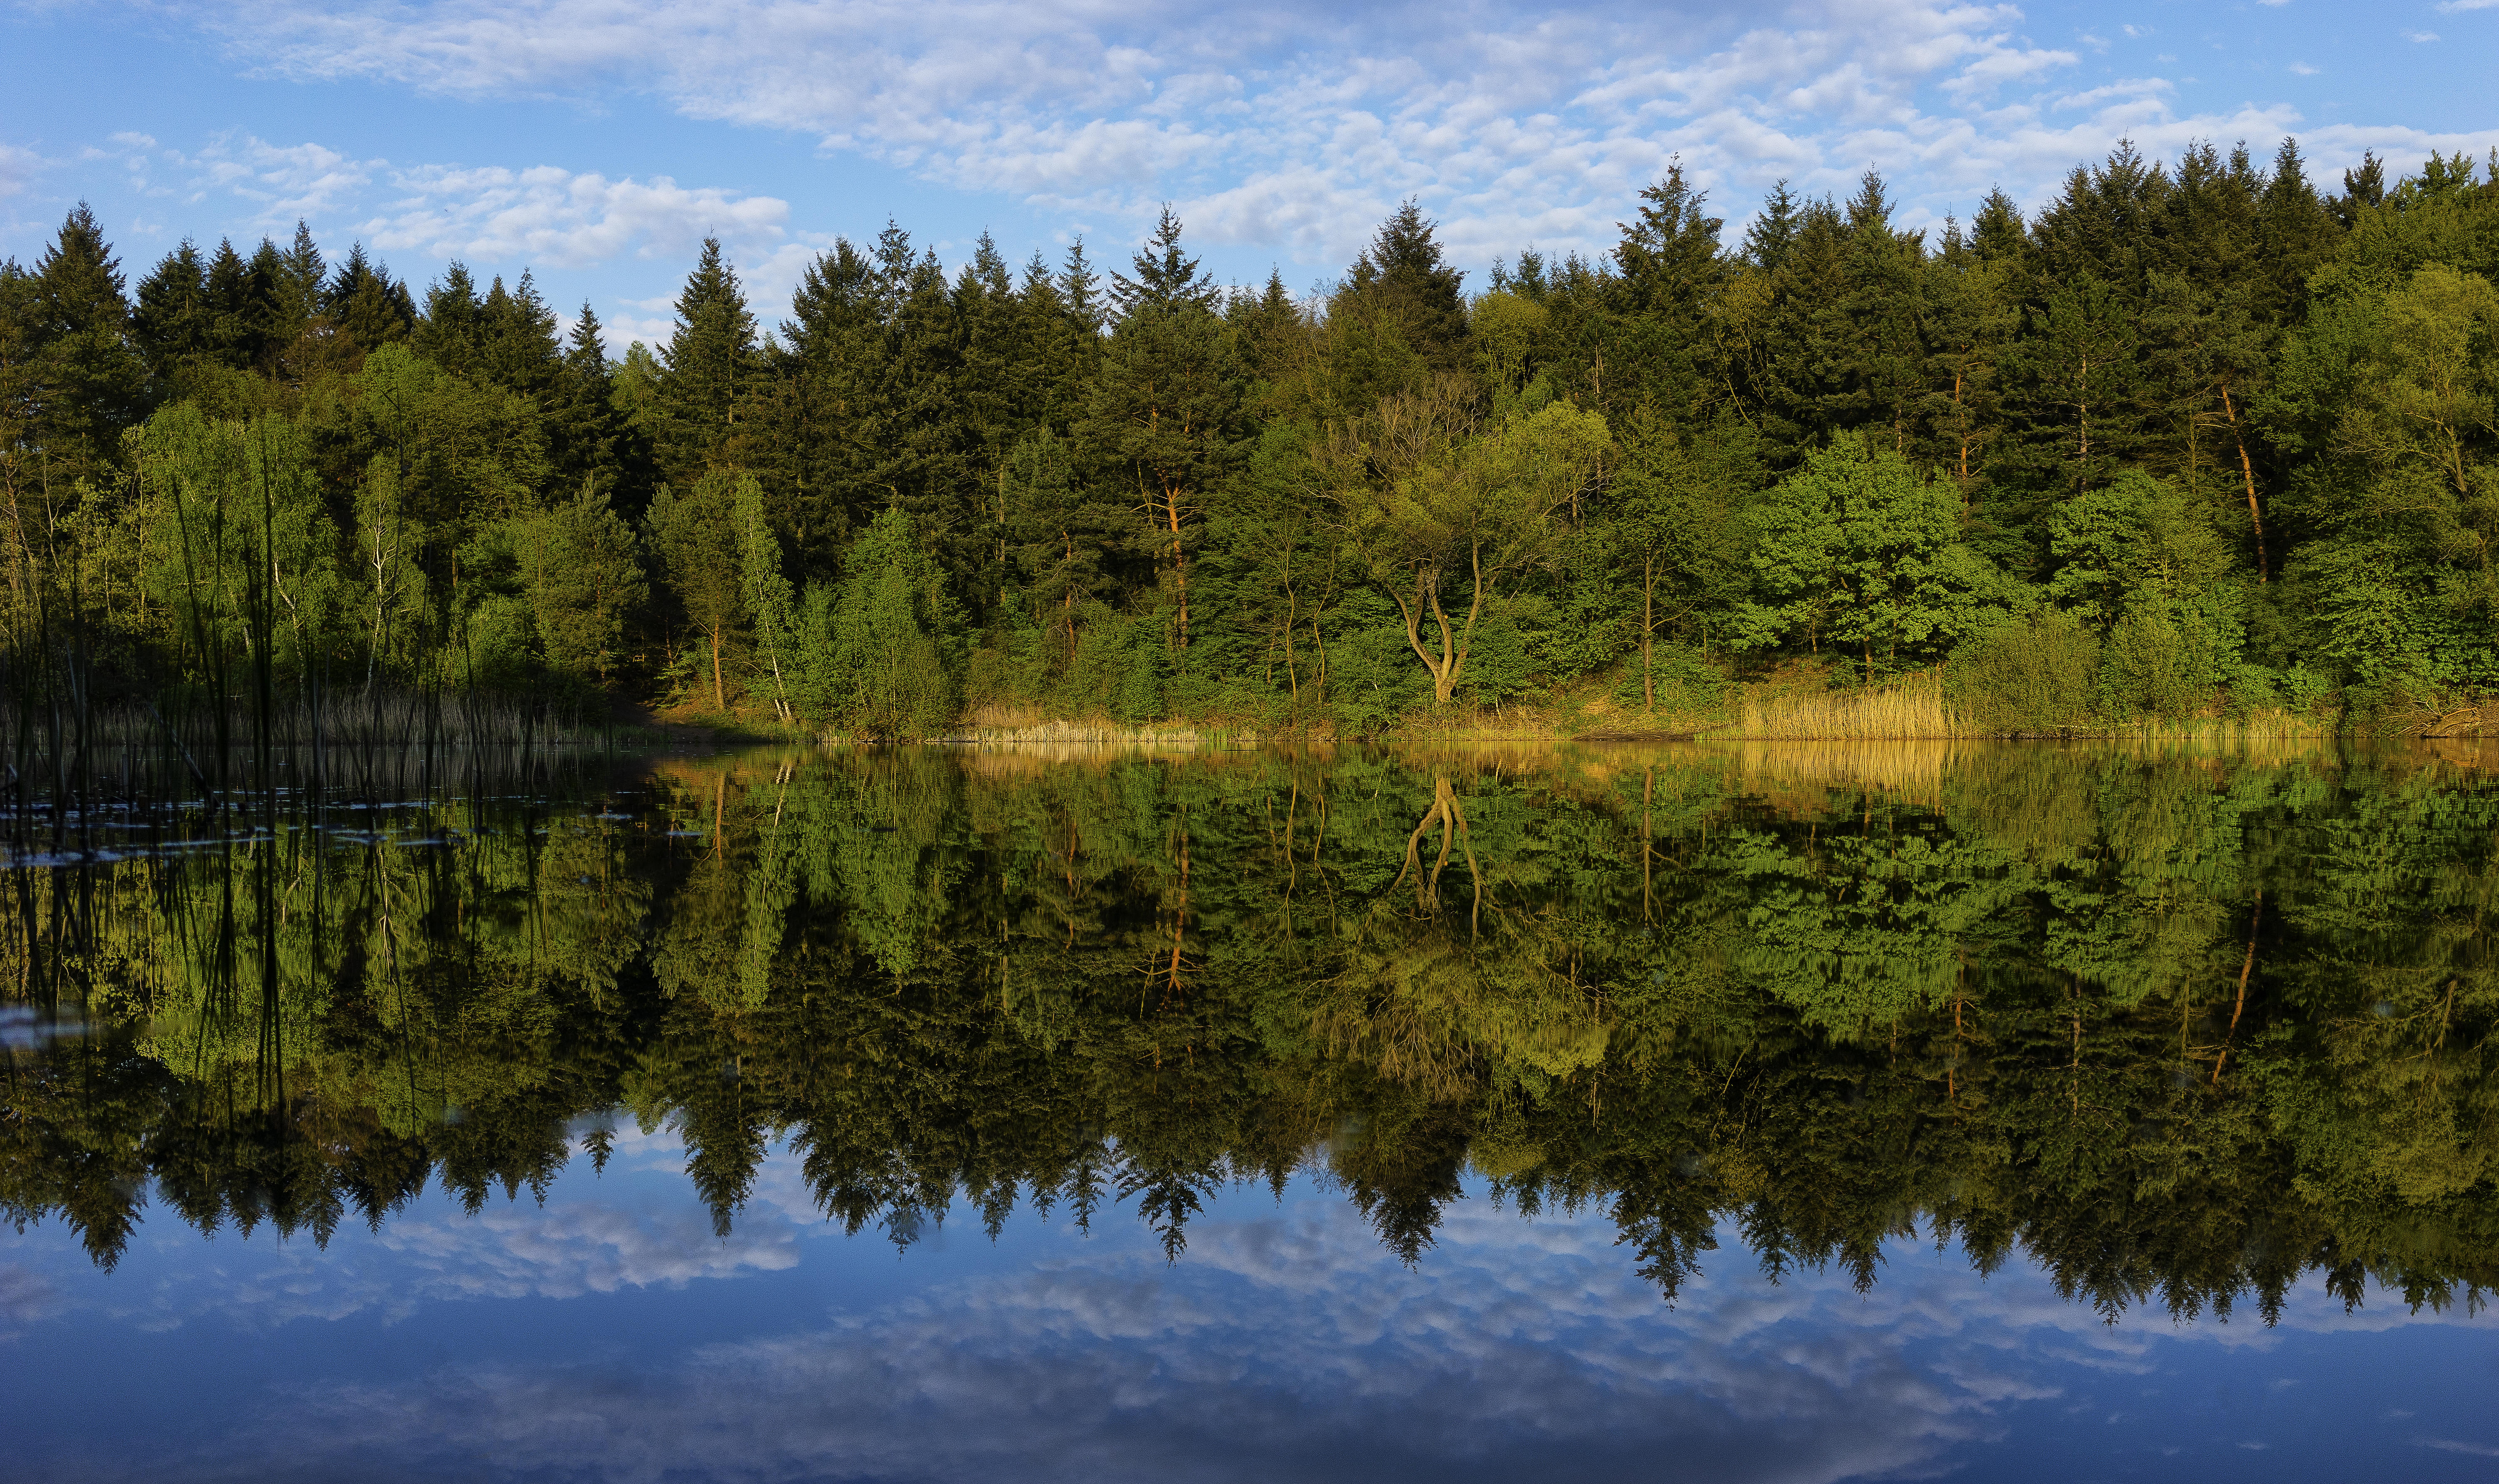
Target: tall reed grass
x=1911, y=707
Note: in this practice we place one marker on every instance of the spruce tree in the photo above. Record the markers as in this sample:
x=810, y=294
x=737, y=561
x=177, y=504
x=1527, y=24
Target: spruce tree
x=816, y=430
x=590, y=442
x=518, y=349
x=918, y=433
x=708, y=365
x=1773, y=228
x=1402, y=280
x=1166, y=415
x=172, y=322
x=242, y=299
x=93, y=382
x=1166, y=278
x=364, y=305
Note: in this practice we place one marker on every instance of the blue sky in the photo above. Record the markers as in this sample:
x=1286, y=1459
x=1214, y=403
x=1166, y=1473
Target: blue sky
x=597, y=141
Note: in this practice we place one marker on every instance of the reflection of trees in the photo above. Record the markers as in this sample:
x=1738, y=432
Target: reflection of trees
x=2182, y=1033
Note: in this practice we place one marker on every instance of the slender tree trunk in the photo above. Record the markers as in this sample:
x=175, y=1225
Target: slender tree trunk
x=718, y=692
x=2247, y=467
x=1648, y=631
x=1180, y=557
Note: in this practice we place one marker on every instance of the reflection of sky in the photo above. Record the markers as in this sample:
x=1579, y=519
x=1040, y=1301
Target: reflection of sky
x=608, y=1335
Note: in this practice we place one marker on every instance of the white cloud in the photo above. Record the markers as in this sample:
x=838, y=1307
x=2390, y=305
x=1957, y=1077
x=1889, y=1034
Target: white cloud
x=545, y=214
x=1296, y=124
x=2302, y=69
x=1290, y=124
x=2455, y=7
x=539, y=216
x=2421, y=36
x=283, y=182
x=17, y=168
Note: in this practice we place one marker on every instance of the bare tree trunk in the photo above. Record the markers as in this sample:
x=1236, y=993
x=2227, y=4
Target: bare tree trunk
x=1648, y=631
x=2255, y=517
x=719, y=693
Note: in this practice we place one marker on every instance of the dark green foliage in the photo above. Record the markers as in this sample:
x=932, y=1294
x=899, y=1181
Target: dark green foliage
x=2240, y=432
x=879, y=647
x=709, y=368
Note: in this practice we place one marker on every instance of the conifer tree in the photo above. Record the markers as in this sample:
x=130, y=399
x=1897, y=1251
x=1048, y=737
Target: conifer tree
x=242, y=298
x=366, y=304
x=590, y=442
x=518, y=348
x=1166, y=278
x=1773, y=228
x=453, y=331
x=1165, y=418
x=92, y=376
x=817, y=429
x=708, y=364
x=172, y=322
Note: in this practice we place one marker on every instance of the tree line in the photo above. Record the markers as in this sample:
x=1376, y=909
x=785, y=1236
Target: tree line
x=2195, y=437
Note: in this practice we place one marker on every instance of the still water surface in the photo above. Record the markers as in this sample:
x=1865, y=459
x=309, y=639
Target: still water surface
x=1794, y=1113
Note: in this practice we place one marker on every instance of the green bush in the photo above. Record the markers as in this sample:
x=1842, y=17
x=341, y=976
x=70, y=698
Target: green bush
x=2158, y=661
x=2032, y=673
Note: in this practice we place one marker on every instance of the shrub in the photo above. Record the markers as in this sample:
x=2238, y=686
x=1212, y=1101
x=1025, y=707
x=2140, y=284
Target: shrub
x=2025, y=674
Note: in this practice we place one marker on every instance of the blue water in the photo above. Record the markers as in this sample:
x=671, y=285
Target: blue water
x=607, y=1334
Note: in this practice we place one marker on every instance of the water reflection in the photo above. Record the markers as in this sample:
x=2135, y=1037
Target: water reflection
x=2181, y=1029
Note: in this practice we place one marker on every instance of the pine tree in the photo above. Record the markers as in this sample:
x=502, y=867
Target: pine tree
x=453, y=331
x=172, y=322
x=1773, y=228
x=709, y=363
x=364, y=303
x=1166, y=278
x=93, y=381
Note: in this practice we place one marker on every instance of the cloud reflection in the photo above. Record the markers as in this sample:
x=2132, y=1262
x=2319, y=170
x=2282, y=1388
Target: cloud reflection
x=1287, y=1344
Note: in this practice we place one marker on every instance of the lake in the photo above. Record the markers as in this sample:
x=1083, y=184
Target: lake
x=1777, y=1111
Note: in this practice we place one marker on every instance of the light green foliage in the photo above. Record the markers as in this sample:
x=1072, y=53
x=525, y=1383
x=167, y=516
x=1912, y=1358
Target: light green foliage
x=2139, y=566
x=1505, y=328
x=696, y=537
x=770, y=601
x=2242, y=429
x=2035, y=672
x=1677, y=542
x=1856, y=550
x=1431, y=502
x=880, y=647
x=463, y=455
x=585, y=583
x=2243, y=1002
x=239, y=547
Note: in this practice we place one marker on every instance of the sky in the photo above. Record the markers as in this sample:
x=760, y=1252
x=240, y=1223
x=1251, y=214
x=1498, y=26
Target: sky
x=595, y=143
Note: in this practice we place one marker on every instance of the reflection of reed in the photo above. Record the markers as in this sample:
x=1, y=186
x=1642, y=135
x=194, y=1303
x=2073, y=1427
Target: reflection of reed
x=1114, y=733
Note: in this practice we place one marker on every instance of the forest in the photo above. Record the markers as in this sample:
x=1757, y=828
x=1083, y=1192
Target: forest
x=2197, y=440
x=2186, y=1033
